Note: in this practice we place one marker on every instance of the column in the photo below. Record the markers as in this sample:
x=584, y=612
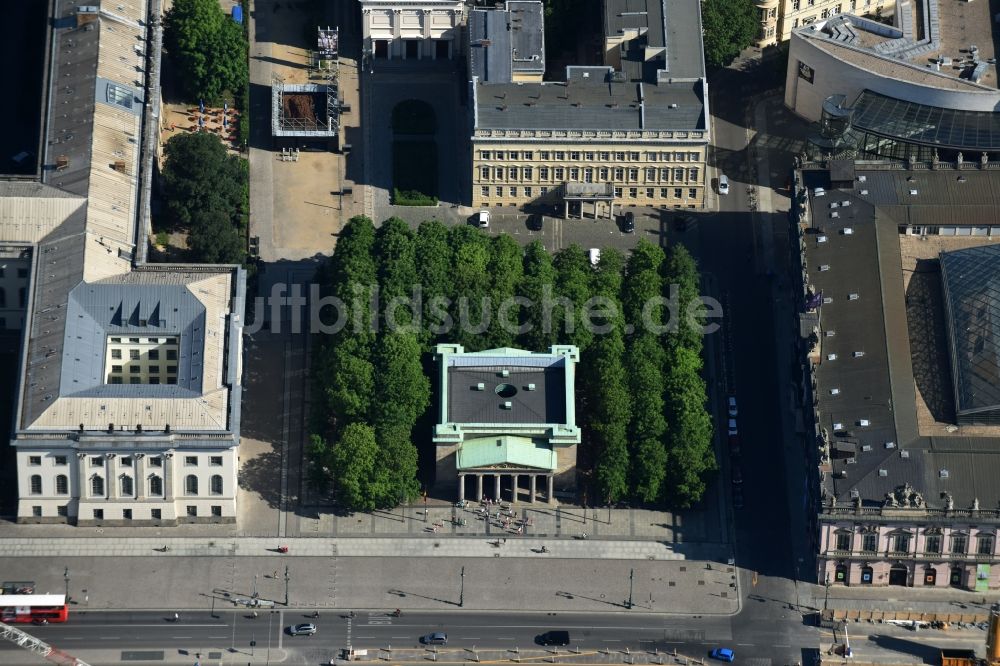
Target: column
x=461, y=487
x=496, y=485
x=565, y=210
x=551, y=496
x=140, y=476
x=112, y=478
x=514, y=479
x=531, y=497
x=479, y=487
x=168, y=477
x=83, y=482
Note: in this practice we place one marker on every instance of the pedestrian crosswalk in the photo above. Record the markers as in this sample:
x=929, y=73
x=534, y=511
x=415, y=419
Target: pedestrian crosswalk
x=756, y=661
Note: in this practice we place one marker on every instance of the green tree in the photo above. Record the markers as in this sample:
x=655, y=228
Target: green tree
x=402, y=391
x=648, y=425
x=470, y=284
x=215, y=239
x=680, y=273
x=207, y=48
x=608, y=416
x=506, y=267
x=573, y=289
x=538, y=280
x=397, y=467
x=434, y=259
x=690, y=457
x=644, y=285
x=353, y=273
x=354, y=466
x=199, y=175
x=397, y=268
x=729, y=26
x=346, y=380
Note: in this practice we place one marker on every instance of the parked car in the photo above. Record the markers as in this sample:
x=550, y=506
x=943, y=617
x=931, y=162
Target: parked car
x=483, y=219
x=734, y=445
x=628, y=222
x=558, y=638
x=733, y=411
x=737, y=475
x=435, y=638
x=737, y=497
x=733, y=430
x=535, y=222
x=595, y=256
x=302, y=629
x=722, y=654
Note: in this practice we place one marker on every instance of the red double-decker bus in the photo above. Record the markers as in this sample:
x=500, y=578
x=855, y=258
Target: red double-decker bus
x=25, y=608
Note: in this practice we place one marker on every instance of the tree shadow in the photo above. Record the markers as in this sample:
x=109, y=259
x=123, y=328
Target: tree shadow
x=260, y=475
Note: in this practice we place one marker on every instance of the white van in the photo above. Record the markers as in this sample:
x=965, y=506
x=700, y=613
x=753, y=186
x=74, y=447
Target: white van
x=723, y=184
x=483, y=219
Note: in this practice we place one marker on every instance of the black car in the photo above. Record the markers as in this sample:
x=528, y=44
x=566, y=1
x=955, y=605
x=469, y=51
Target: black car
x=535, y=222
x=628, y=222
x=560, y=638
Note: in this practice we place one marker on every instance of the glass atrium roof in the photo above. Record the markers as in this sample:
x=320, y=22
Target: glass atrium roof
x=927, y=125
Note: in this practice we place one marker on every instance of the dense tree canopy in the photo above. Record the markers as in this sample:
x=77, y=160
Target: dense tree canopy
x=207, y=48
x=729, y=26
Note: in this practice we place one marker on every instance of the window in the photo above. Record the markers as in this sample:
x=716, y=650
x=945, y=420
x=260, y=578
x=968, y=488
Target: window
x=869, y=543
x=215, y=461
x=678, y=193
x=156, y=486
x=543, y=154
x=155, y=461
x=217, y=511
x=485, y=173
x=529, y=155
x=513, y=191
x=127, y=486
x=514, y=155
x=36, y=484
x=528, y=173
x=588, y=175
x=191, y=484
x=959, y=544
x=36, y=511
x=692, y=193
x=191, y=461
x=620, y=156
x=650, y=175
x=171, y=354
x=116, y=354
x=127, y=514
x=605, y=156
x=97, y=461
x=825, y=13
x=652, y=157
x=97, y=486
x=485, y=154
x=619, y=174
x=116, y=380
x=484, y=191
x=116, y=368
x=604, y=173
x=62, y=485
x=499, y=191
x=678, y=175
x=693, y=174
x=559, y=173
x=618, y=192
x=795, y=5
x=633, y=192
x=216, y=485
x=133, y=354
x=810, y=2
x=844, y=541
x=62, y=510
x=543, y=174
x=527, y=191
x=681, y=157
x=663, y=193
x=650, y=192
x=634, y=156
x=134, y=380
x=512, y=173
x=35, y=461
x=500, y=155
x=60, y=461
x=574, y=174
x=984, y=545
x=126, y=461
x=22, y=297
x=589, y=156
x=156, y=514
x=560, y=155
x=192, y=510
x=574, y=155
x=22, y=272
x=932, y=544
x=633, y=175
x=543, y=190
x=98, y=514
x=134, y=369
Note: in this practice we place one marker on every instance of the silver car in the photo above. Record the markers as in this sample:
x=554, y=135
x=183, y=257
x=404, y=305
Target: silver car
x=302, y=629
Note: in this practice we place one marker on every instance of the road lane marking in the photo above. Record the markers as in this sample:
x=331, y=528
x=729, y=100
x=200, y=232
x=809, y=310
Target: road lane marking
x=506, y=638
x=181, y=637
x=782, y=645
x=745, y=644
x=611, y=640
x=113, y=638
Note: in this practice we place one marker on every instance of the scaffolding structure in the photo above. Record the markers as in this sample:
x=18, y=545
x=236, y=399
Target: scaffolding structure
x=308, y=110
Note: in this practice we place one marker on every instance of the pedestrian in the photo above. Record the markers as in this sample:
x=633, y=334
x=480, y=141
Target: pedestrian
x=275, y=574
x=520, y=530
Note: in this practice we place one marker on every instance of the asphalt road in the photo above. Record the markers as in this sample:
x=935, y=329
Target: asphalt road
x=200, y=632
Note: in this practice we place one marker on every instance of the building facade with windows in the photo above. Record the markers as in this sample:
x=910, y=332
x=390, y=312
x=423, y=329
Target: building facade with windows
x=779, y=18
x=633, y=132
x=412, y=29
x=128, y=405
x=903, y=410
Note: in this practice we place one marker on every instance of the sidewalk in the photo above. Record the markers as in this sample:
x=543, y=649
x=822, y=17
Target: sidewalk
x=544, y=583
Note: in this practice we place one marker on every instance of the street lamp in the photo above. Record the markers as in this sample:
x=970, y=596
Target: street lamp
x=461, y=594
x=66, y=579
x=826, y=599
x=286, y=585
x=631, y=575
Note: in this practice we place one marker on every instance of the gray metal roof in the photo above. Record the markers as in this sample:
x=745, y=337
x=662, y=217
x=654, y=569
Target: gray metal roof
x=98, y=311
x=594, y=102
x=673, y=26
x=545, y=404
x=971, y=281
x=504, y=41
x=879, y=386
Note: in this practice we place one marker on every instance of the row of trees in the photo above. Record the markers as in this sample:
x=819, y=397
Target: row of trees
x=205, y=191
x=640, y=396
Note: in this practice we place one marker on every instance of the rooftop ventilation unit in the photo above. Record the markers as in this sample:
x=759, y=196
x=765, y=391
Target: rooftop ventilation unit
x=508, y=405
x=852, y=461
x=838, y=426
x=855, y=495
x=890, y=445
x=883, y=472
x=831, y=357
x=835, y=391
x=821, y=239
x=531, y=387
x=480, y=386
x=848, y=231
x=904, y=454
x=827, y=300
x=830, y=334
x=505, y=373
x=864, y=193
x=913, y=193
x=943, y=474
x=858, y=354
x=834, y=204
x=835, y=215
x=866, y=447
x=824, y=267
x=852, y=297
x=862, y=179
x=864, y=423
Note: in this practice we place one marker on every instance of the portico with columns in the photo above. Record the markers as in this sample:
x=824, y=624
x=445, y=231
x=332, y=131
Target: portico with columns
x=506, y=428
